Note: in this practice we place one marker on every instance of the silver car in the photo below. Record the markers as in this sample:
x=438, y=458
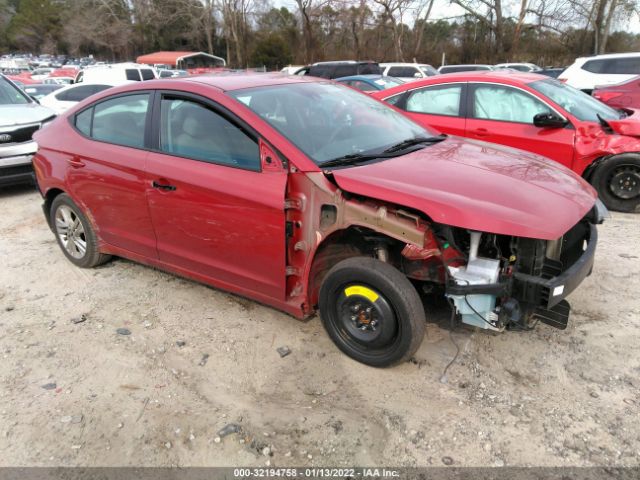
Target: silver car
x=20, y=117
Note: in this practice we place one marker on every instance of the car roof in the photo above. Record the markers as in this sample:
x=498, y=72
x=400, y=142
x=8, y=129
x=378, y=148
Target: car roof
x=368, y=76
x=610, y=55
x=501, y=76
x=467, y=65
x=497, y=76
x=238, y=81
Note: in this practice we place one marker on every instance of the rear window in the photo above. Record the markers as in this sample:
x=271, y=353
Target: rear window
x=322, y=71
x=344, y=71
x=369, y=69
x=133, y=74
x=147, y=74
x=402, y=72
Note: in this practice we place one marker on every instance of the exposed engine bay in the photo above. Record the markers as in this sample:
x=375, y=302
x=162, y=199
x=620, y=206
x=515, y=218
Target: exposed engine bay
x=496, y=281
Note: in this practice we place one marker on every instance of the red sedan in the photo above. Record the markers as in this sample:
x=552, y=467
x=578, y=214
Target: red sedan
x=538, y=114
x=621, y=95
x=307, y=195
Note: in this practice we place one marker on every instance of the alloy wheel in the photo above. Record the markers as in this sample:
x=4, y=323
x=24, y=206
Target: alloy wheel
x=70, y=231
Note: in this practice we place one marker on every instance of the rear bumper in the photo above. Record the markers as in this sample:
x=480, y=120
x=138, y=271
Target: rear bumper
x=553, y=290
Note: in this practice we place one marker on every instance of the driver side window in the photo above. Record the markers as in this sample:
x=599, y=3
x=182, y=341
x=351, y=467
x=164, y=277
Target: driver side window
x=505, y=104
x=190, y=129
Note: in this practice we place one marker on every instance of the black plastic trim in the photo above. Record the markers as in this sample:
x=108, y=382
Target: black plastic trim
x=570, y=278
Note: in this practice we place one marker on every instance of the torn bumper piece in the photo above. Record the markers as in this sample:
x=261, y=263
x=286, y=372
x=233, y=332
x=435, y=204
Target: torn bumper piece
x=551, y=291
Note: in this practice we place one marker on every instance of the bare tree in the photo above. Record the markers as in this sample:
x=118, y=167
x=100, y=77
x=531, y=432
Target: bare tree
x=393, y=12
x=423, y=12
x=488, y=12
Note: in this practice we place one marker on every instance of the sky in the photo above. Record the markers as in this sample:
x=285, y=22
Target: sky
x=444, y=9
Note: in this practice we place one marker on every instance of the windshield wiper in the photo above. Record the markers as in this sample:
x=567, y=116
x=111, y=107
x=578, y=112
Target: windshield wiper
x=351, y=159
x=355, y=158
x=410, y=142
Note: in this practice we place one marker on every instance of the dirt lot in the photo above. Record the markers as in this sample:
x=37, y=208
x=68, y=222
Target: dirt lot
x=82, y=394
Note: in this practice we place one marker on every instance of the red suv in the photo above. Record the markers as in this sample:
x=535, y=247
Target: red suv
x=535, y=113
x=307, y=195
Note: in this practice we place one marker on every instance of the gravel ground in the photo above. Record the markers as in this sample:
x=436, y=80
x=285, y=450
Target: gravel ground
x=74, y=391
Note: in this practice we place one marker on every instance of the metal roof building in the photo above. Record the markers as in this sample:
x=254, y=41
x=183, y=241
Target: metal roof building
x=182, y=60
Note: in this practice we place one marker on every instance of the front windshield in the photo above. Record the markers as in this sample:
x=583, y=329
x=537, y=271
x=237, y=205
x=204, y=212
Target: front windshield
x=582, y=106
x=10, y=95
x=327, y=121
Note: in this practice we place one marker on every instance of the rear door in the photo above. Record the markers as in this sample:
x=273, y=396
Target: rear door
x=107, y=176
x=216, y=197
x=439, y=106
x=504, y=114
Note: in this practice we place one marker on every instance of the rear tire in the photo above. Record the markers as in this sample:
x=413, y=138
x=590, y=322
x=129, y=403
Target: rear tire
x=74, y=233
x=372, y=312
x=617, y=180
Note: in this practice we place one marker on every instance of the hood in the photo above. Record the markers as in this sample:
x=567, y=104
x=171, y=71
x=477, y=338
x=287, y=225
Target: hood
x=479, y=186
x=11, y=115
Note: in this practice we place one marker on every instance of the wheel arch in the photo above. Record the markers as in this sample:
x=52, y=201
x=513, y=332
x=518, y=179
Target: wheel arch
x=49, y=197
x=348, y=242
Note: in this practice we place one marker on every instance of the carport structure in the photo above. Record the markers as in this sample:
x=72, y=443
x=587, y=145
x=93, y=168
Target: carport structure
x=182, y=60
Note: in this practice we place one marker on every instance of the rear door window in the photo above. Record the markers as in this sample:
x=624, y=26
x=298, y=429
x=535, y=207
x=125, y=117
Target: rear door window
x=436, y=100
x=121, y=120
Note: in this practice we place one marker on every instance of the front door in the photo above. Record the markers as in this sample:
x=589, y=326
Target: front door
x=504, y=115
x=216, y=212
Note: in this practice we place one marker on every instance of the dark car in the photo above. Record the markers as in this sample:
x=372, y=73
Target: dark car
x=40, y=90
x=551, y=72
x=333, y=70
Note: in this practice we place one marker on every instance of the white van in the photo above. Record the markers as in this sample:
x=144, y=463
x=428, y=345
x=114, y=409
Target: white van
x=118, y=72
x=589, y=72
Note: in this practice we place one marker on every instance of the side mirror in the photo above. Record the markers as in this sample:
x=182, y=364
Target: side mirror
x=417, y=75
x=34, y=99
x=549, y=120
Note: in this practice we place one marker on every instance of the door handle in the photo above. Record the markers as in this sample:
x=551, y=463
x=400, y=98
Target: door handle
x=163, y=186
x=75, y=162
x=481, y=132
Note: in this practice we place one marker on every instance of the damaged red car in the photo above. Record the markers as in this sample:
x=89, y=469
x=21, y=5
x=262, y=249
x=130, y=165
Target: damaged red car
x=538, y=114
x=308, y=196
